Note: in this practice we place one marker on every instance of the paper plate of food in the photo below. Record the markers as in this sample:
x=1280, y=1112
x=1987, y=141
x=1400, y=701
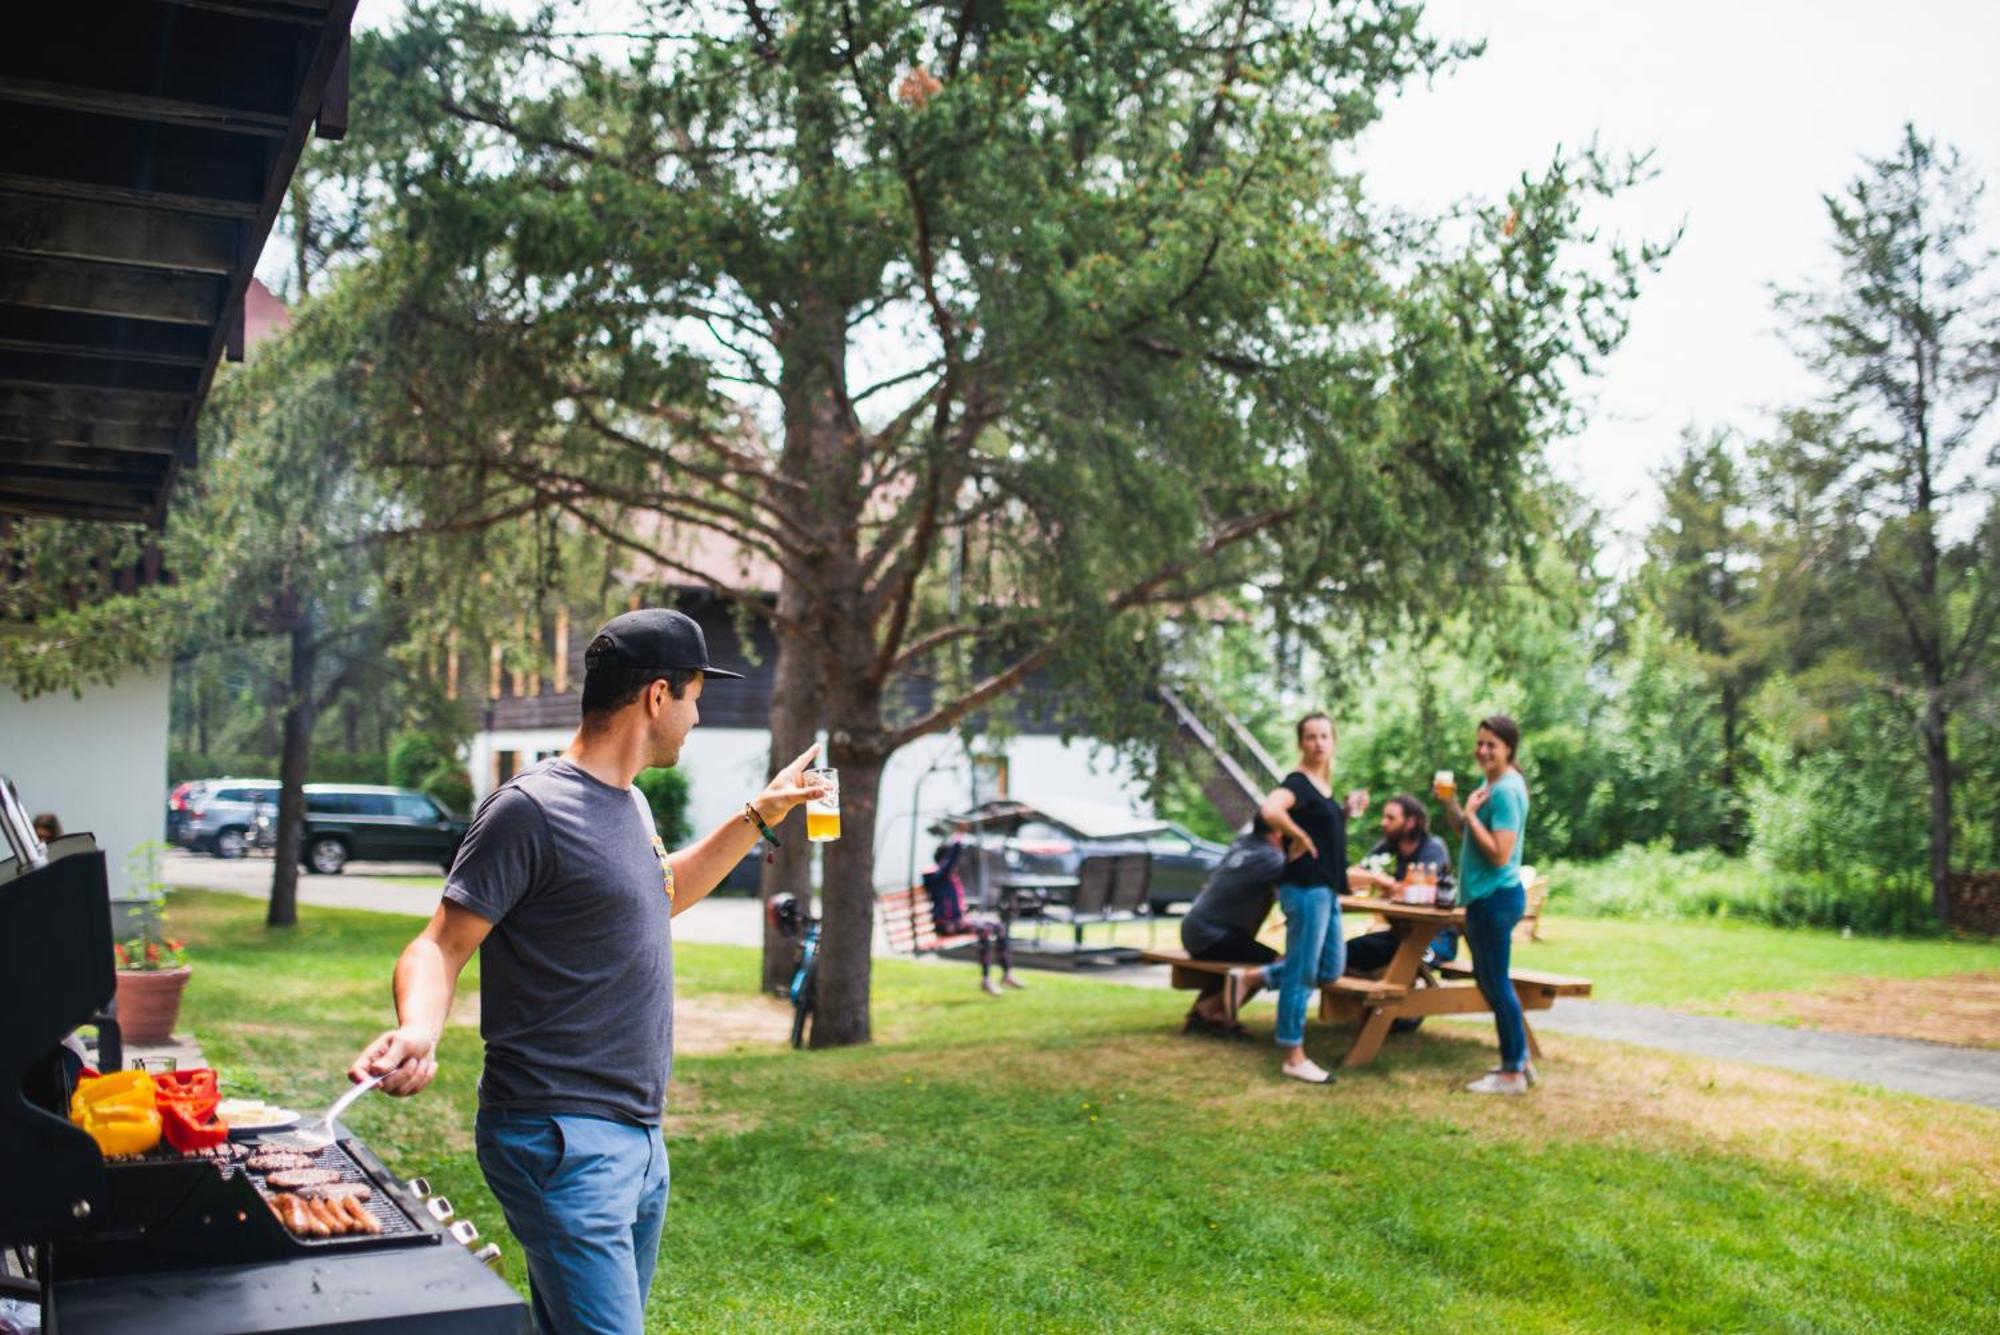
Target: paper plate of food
x=255, y=1117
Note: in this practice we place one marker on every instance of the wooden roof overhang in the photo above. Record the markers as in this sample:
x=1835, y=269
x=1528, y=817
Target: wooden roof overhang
x=145, y=149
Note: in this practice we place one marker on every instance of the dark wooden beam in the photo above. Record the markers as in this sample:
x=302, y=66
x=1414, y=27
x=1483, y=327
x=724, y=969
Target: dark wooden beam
x=58, y=370
x=311, y=12
x=15, y=453
x=33, y=330
x=83, y=230
x=32, y=504
x=110, y=289
x=96, y=405
x=145, y=159
x=74, y=434
x=117, y=495
x=45, y=187
x=135, y=479
x=140, y=58
x=69, y=97
x=332, y=122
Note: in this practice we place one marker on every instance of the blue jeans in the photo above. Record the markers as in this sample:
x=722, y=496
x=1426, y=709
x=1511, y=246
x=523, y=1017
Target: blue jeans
x=587, y=1197
x=1315, y=952
x=1489, y=930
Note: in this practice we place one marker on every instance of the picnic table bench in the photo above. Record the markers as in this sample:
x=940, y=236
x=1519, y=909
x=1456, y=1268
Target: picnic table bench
x=1191, y=974
x=1398, y=993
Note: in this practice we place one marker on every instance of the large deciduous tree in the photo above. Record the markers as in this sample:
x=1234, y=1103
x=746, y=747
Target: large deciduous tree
x=1885, y=486
x=994, y=332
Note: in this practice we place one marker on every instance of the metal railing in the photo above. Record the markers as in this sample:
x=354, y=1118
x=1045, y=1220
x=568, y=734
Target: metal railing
x=1233, y=748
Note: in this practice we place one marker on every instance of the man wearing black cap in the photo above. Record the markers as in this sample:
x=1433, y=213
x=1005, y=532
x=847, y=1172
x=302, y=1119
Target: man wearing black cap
x=564, y=887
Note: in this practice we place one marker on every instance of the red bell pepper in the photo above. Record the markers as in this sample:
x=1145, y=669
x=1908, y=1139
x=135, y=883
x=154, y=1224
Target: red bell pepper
x=187, y=1102
x=194, y=1088
x=185, y=1132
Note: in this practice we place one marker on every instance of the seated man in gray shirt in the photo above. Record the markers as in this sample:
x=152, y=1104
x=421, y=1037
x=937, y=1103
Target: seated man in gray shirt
x=1223, y=921
x=564, y=888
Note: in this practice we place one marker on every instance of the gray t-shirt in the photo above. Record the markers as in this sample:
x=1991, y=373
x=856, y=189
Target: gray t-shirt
x=1236, y=897
x=577, y=975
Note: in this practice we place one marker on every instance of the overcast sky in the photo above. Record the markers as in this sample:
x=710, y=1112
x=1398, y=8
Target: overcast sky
x=1756, y=109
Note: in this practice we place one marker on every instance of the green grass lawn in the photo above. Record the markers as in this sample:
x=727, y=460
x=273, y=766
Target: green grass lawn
x=1061, y=1160
x=1704, y=962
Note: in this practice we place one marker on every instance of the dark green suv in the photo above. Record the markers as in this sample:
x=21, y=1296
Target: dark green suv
x=358, y=823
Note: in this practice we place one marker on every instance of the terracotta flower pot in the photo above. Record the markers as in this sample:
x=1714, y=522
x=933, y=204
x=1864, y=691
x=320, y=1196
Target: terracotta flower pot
x=149, y=1002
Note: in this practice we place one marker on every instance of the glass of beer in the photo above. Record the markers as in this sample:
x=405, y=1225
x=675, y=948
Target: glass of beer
x=1445, y=785
x=823, y=813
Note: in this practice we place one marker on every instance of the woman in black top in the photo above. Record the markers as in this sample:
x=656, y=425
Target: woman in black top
x=1315, y=830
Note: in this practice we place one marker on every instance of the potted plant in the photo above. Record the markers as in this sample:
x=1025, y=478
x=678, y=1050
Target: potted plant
x=152, y=967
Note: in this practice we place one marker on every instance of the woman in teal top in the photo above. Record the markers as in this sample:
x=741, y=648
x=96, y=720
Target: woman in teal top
x=1493, y=825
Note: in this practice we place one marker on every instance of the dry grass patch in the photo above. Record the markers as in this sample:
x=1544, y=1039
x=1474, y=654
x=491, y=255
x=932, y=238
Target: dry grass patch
x=1961, y=1009
x=708, y=1023
x=1919, y=1152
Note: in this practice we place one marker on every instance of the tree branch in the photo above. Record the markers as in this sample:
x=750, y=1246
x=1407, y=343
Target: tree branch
x=1145, y=591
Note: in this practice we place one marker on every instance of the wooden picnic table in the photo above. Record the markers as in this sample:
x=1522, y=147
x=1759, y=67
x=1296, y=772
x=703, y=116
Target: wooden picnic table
x=1415, y=926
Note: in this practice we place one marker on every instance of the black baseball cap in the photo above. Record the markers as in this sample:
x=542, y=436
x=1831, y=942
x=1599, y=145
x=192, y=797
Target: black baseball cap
x=652, y=637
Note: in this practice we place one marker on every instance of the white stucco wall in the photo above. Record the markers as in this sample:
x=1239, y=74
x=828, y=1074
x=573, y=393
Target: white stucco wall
x=925, y=780
x=98, y=761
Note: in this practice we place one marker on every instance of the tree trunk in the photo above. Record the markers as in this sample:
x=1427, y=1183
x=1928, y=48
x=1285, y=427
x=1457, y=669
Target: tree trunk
x=1734, y=836
x=1937, y=767
x=847, y=911
x=293, y=763
x=795, y=717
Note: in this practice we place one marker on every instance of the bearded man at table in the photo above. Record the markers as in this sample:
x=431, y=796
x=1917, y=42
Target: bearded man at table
x=1407, y=838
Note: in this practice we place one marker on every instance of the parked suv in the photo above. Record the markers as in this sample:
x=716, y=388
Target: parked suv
x=220, y=812
x=357, y=823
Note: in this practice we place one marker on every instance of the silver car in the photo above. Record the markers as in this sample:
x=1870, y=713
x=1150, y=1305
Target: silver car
x=220, y=813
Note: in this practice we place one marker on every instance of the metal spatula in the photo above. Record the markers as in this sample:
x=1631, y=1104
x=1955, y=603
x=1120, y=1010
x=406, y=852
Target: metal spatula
x=321, y=1132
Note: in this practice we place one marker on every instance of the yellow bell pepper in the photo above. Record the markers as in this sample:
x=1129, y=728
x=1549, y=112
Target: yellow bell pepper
x=118, y=1111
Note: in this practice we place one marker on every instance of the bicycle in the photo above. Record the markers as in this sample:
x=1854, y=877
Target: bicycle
x=804, y=989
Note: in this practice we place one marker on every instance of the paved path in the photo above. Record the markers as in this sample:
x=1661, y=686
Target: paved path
x=1963, y=1075
x=1938, y=1070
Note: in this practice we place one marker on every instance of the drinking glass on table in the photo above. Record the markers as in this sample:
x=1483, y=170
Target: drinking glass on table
x=823, y=813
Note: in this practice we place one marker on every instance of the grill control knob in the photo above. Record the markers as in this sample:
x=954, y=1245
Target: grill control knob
x=420, y=1187
x=488, y=1256
x=440, y=1209
x=465, y=1232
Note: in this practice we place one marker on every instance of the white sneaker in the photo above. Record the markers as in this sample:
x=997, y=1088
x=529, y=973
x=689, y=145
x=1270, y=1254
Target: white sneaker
x=1309, y=1071
x=1499, y=1082
x=990, y=987
x=1011, y=981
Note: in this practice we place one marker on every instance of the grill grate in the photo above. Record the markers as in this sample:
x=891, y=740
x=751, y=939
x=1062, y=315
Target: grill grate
x=395, y=1223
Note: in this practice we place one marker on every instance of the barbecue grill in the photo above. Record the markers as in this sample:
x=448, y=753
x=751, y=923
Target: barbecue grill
x=165, y=1243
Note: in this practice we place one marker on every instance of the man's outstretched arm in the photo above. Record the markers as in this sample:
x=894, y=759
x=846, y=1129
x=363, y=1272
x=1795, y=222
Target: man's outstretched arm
x=426, y=977
x=700, y=867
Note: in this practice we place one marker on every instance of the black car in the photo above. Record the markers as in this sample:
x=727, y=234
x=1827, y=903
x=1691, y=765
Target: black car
x=355, y=823
x=1053, y=837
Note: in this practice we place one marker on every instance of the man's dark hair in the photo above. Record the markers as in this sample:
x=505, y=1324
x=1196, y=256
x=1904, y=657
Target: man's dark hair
x=608, y=690
x=1416, y=816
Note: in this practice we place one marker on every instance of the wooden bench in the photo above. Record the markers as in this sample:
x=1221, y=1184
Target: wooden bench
x=1537, y=990
x=1192, y=975
x=909, y=926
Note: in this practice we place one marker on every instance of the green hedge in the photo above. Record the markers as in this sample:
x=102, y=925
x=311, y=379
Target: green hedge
x=327, y=766
x=1653, y=881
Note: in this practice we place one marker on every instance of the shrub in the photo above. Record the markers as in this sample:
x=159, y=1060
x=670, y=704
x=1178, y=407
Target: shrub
x=1653, y=881
x=666, y=792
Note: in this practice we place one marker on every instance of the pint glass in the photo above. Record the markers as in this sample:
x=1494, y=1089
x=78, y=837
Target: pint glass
x=823, y=813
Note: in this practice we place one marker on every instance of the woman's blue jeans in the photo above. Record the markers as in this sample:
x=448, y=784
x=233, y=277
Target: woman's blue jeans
x=1489, y=930
x=1315, y=953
